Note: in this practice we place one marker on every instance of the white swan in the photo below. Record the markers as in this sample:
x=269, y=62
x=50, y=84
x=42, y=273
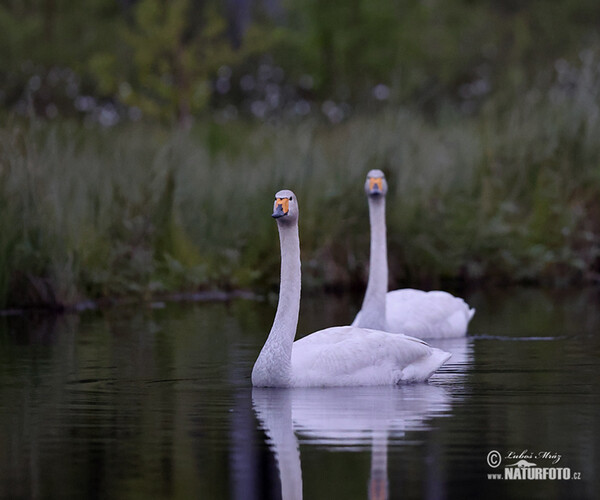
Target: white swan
x=421, y=314
x=338, y=356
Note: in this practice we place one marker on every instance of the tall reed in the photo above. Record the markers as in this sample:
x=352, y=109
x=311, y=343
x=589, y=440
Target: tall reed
x=509, y=195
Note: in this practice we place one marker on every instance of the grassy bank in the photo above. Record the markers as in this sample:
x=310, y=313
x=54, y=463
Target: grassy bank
x=509, y=195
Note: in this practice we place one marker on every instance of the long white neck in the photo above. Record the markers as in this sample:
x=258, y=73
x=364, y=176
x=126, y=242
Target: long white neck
x=372, y=314
x=273, y=366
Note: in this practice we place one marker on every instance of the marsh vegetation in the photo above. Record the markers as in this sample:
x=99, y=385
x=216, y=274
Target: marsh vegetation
x=508, y=195
x=144, y=162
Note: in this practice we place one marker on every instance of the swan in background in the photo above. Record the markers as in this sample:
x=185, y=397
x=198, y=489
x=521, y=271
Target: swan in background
x=337, y=356
x=344, y=418
x=412, y=312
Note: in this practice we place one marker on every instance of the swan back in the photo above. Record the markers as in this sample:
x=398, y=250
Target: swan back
x=351, y=356
x=434, y=314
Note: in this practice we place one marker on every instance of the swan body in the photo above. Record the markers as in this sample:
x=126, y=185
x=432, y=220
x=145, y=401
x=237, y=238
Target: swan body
x=428, y=315
x=347, y=355
x=431, y=315
x=338, y=356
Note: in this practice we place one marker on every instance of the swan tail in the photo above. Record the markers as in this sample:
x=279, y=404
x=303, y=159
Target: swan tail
x=471, y=313
x=424, y=367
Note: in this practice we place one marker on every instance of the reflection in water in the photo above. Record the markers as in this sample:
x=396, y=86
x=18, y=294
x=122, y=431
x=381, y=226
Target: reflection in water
x=345, y=416
x=458, y=365
x=138, y=402
x=378, y=479
x=274, y=410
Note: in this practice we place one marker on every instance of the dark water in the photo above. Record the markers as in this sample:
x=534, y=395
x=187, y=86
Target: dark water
x=156, y=403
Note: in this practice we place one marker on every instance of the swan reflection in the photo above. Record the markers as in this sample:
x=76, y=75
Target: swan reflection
x=457, y=366
x=345, y=416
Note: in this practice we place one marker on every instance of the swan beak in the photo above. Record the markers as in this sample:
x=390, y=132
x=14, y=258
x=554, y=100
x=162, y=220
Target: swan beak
x=282, y=207
x=375, y=185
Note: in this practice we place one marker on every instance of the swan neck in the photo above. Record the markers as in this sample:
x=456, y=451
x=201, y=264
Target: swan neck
x=273, y=366
x=373, y=308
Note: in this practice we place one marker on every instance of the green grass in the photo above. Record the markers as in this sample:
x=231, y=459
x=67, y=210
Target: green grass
x=510, y=195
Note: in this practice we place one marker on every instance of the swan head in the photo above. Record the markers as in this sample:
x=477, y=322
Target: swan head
x=376, y=184
x=285, y=208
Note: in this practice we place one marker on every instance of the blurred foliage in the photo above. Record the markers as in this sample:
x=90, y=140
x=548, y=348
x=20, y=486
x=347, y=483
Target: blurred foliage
x=509, y=195
x=483, y=114
x=180, y=59
x=169, y=52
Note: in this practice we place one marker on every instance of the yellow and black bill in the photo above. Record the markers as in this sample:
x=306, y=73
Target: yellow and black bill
x=282, y=207
x=375, y=185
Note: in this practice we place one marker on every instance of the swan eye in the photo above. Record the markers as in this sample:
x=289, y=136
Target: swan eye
x=291, y=198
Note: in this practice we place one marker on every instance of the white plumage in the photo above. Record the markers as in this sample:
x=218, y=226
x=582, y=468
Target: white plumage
x=347, y=355
x=429, y=315
x=338, y=356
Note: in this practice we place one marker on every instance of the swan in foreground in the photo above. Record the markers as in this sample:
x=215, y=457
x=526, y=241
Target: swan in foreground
x=421, y=314
x=337, y=356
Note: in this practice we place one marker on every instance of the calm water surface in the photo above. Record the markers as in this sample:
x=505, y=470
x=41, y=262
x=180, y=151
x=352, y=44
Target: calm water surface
x=156, y=403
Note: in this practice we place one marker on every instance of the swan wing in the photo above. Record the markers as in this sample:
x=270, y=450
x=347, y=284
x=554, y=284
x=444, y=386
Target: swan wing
x=343, y=356
x=429, y=315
